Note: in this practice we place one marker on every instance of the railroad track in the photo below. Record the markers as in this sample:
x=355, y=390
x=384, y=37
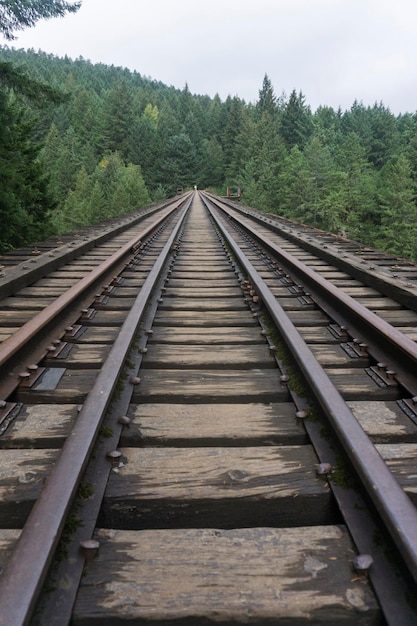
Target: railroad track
x=225, y=432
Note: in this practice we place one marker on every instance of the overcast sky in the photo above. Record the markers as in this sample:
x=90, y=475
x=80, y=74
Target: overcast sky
x=334, y=51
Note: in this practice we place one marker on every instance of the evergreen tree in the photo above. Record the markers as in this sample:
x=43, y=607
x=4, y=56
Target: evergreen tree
x=296, y=121
x=118, y=120
x=20, y=14
x=323, y=179
x=75, y=211
x=145, y=149
x=327, y=126
x=247, y=180
x=99, y=207
x=294, y=181
x=130, y=191
x=267, y=102
x=243, y=147
x=398, y=233
x=384, y=136
x=358, y=187
x=231, y=132
x=268, y=152
x=179, y=165
x=25, y=204
x=321, y=167
x=212, y=169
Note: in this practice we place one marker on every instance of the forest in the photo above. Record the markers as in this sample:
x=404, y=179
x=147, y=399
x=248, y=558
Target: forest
x=95, y=141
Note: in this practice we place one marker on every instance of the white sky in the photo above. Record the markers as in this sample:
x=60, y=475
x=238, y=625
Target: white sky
x=335, y=51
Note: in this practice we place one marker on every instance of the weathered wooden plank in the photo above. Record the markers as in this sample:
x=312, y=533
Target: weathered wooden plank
x=41, y=291
x=335, y=356
x=196, y=282
x=69, y=274
x=136, y=274
x=108, y=318
x=346, y=283
x=204, y=318
x=66, y=282
x=203, y=304
x=209, y=386
x=207, y=274
x=317, y=335
x=203, y=292
x=217, y=487
x=59, y=386
x=8, y=540
x=258, y=576
x=362, y=291
x=124, y=292
x=133, y=281
x=6, y=332
x=199, y=264
x=294, y=303
x=218, y=356
x=207, y=336
x=384, y=422
x=308, y=317
x=113, y=303
x=39, y=426
x=379, y=304
x=91, y=334
x=81, y=355
x=333, y=274
x=409, y=331
x=250, y=424
x=15, y=318
x=401, y=459
x=30, y=304
x=22, y=474
x=355, y=384
x=399, y=318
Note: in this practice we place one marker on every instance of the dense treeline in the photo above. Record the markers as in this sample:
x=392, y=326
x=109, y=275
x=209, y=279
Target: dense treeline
x=119, y=140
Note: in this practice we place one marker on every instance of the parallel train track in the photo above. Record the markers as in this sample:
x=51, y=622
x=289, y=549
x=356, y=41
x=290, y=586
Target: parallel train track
x=221, y=429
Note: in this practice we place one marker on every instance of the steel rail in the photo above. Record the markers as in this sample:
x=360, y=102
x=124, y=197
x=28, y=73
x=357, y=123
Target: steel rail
x=404, y=347
x=332, y=248
x=393, y=505
x=31, y=269
x=24, y=575
x=25, y=333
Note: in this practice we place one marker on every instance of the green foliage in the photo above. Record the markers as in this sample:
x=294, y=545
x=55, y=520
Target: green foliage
x=296, y=121
x=114, y=141
x=398, y=210
x=25, y=203
x=20, y=14
x=267, y=102
x=112, y=189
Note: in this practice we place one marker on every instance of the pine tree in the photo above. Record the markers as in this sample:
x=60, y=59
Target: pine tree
x=358, y=187
x=296, y=121
x=212, y=169
x=294, y=181
x=118, y=120
x=129, y=192
x=20, y=14
x=179, y=165
x=397, y=193
x=267, y=101
x=75, y=211
x=25, y=203
x=231, y=131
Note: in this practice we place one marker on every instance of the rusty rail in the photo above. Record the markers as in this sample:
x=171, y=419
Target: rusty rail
x=21, y=581
x=402, y=348
x=20, y=338
x=393, y=505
